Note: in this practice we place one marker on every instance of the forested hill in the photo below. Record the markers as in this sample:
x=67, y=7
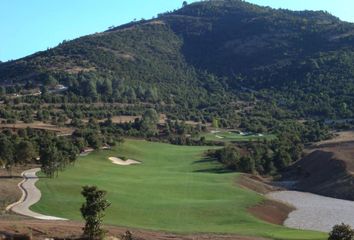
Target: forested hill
x=298, y=61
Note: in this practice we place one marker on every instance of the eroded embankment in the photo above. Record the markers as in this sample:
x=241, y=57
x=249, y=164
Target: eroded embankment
x=269, y=210
x=327, y=170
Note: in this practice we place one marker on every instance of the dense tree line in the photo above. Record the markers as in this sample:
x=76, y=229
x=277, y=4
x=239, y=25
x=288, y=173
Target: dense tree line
x=270, y=157
x=304, y=73
x=52, y=153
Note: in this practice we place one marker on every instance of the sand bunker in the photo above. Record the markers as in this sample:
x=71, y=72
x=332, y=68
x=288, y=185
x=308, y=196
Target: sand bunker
x=217, y=136
x=121, y=162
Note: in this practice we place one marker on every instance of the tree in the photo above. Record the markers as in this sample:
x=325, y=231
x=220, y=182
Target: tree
x=131, y=95
x=93, y=211
x=89, y=89
x=2, y=91
x=281, y=159
x=107, y=88
x=140, y=92
x=50, y=81
x=149, y=121
x=151, y=95
x=215, y=123
x=25, y=152
x=7, y=153
x=50, y=159
x=94, y=139
x=2, y=164
x=184, y=4
x=341, y=232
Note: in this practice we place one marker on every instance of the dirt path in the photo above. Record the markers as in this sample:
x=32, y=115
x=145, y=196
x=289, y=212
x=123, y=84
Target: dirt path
x=315, y=212
x=30, y=196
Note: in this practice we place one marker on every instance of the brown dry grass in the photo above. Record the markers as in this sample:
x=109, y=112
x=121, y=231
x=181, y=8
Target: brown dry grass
x=117, y=119
x=339, y=137
x=69, y=229
x=127, y=119
x=39, y=125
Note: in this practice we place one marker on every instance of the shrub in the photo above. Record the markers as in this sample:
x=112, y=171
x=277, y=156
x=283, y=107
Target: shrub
x=341, y=232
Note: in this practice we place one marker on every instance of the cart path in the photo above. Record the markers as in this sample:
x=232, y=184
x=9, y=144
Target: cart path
x=30, y=196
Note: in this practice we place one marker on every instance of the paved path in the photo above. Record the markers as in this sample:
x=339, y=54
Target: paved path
x=30, y=196
x=315, y=212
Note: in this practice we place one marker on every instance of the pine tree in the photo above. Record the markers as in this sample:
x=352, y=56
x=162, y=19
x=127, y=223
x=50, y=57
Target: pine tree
x=93, y=211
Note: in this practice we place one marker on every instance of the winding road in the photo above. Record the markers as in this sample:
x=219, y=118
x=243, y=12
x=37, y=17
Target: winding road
x=30, y=196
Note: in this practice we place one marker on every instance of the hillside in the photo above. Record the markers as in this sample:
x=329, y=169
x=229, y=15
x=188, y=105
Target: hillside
x=207, y=54
x=327, y=170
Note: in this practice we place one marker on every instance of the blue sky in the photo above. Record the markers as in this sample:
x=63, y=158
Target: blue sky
x=28, y=26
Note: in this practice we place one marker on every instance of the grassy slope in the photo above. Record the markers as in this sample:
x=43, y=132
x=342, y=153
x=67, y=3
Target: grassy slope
x=170, y=191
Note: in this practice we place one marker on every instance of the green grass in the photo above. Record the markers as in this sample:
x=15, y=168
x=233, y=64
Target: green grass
x=226, y=136
x=174, y=189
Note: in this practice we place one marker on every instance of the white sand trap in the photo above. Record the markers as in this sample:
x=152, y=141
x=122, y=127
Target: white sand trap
x=217, y=136
x=121, y=162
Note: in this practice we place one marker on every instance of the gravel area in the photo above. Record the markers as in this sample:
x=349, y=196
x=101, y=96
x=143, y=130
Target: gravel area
x=315, y=212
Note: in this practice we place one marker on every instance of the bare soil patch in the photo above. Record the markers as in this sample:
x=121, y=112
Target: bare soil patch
x=256, y=184
x=128, y=119
x=269, y=210
x=339, y=137
x=118, y=119
x=39, y=125
x=45, y=229
x=326, y=170
x=272, y=211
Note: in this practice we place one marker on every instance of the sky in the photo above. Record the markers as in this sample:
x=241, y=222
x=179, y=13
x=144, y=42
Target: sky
x=28, y=26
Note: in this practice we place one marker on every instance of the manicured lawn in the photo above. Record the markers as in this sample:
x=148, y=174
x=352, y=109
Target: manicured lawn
x=174, y=189
x=227, y=136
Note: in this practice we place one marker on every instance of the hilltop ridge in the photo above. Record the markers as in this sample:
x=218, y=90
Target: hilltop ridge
x=302, y=61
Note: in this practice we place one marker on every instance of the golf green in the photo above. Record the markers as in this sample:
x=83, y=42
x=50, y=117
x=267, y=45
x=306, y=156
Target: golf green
x=174, y=189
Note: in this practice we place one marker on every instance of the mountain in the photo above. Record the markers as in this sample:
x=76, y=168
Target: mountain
x=207, y=53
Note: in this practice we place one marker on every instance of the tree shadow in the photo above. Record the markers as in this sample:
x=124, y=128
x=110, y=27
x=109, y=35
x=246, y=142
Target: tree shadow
x=206, y=159
x=204, y=166
x=214, y=170
x=10, y=177
x=14, y=236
